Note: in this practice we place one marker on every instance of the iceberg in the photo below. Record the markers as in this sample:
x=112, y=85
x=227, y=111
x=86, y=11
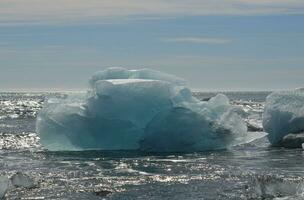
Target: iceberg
x=283, y=115
x=4, y=186
x=142, y=110
x=22, y=180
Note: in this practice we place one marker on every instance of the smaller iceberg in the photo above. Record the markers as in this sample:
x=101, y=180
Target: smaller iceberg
x=4, y=186
x=22, y=180
x=276, y=188
x=284, y=115
x=139, y=110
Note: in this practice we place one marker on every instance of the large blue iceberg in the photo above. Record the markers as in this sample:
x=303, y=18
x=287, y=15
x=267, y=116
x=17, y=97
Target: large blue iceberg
x=283, y=115
x=139, y=110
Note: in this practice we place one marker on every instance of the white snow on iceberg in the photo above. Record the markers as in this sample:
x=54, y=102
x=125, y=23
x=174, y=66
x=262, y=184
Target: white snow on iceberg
x=284, y=114
x=139, y=110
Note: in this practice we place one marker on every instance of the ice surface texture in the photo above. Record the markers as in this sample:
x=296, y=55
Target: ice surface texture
x=284, y=114
x=139, y=110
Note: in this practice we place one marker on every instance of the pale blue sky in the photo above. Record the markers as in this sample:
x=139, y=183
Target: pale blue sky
x=214, y=44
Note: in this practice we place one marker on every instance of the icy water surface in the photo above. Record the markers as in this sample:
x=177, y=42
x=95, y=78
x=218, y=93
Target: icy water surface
x=251, y=171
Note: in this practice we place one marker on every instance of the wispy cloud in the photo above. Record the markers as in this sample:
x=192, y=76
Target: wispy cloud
x=198, y=40
x=80, y=11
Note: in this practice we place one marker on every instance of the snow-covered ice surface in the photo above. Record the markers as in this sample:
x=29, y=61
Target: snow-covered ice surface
x=140, y=110
x=248, y=171
x=284, y=114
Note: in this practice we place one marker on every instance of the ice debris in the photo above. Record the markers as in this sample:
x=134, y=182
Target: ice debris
x=293, y=140
x=272, y=187
x=139, y=110
x=18, y=179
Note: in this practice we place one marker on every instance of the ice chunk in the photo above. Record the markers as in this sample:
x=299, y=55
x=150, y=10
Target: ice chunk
x=4, y=186
x=293, y=140
x=139, y=109
x=274, y=187
x=22, y=180
x=283, y=114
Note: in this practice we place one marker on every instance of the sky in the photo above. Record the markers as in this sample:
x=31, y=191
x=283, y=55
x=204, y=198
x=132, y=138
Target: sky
x=216, y=45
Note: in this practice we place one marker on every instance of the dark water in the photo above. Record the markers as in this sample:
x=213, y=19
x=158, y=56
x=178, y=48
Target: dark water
x=251, y=171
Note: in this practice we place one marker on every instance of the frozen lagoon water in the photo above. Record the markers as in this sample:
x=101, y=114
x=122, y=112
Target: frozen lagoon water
x=249, y=171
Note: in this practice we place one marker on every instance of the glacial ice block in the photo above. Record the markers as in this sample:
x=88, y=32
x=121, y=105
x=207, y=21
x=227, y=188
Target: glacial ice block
x=4, y=186
x=22, y=180
x=139, y=110
x=283, y=115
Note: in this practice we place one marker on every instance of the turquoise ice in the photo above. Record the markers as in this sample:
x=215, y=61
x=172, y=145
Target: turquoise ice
x=139, y=110
x=284, y=114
